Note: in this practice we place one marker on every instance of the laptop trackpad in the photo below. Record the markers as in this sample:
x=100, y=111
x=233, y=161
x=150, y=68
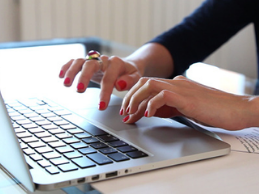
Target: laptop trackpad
x=110, y=118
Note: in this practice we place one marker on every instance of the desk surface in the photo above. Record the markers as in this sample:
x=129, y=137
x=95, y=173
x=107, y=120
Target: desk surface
x=234, y=173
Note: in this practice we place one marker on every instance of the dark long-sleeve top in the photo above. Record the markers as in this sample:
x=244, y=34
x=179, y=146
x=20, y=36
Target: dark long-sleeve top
x=206, y=29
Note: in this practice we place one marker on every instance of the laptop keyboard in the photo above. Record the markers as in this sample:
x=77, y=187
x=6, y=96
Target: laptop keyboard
x=58, y=144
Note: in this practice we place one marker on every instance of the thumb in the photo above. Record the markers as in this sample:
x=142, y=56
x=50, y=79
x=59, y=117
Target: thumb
x=126, y=82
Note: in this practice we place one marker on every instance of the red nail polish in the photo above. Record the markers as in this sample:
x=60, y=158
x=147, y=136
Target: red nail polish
x=126, y=118
x=121, y=112
x=80, y=86
x=127, y=110
x=146, y=113
x=61, y=73
x=67, y=80
x=101, y=105
x=122, y=84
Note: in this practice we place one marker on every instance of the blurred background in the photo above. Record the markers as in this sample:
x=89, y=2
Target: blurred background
x=127, y=22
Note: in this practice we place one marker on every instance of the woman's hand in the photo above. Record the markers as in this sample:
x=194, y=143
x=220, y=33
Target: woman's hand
x=113, y=72
x=181, y=96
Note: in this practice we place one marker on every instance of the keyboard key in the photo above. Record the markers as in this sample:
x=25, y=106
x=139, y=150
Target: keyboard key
x=75, y=131
x=88, y=150
x=136, y=154
x=51, y=155
x=38, y=118
x=24, y=122
x=95, y=131
x=56, y=144
x=23, y=145
x=71, y=140
x=50, y=139
x=42, y=150
x=62, y=112
x=43, y=134
x=69, y=126
x=43, y=122
x=107, y=150
x=28, y=151
x=29, y=126
x=63, y=135
x=48, y=114
x=52, y=170
x=58, y=161
x=23, y=135
x=90, y=140
x=36, y=130
x=82, y=135
x=118, y=157
x=79, y=145
x=99, y=158
x=68, y=167
x=126, y=149
x=98, y=145
x=30, y=139
x=61, y=122
x=117, y=143
x=84, y=162
x=71, y=155
x=36, y=157
x=64, y=149
x=48, y=127
x=44, y=163
x=108, y=138
x=56, y=118
x=37, y=144
x=56, y=131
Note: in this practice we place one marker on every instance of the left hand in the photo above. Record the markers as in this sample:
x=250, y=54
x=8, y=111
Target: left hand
x=182, y=97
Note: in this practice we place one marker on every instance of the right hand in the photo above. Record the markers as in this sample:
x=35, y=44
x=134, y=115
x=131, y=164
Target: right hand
x=114, y=72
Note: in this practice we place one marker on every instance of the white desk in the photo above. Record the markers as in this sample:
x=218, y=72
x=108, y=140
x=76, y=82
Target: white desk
x=236, y=173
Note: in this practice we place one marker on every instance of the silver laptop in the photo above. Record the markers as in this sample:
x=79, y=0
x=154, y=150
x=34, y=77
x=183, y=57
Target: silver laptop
x=47, y=146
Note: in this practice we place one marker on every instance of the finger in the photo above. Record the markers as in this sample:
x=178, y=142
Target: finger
x=89, y=68
x=72, y=71
x=151, y=88
x=97, y=77
x=113, y=70
x=132, y=118
x=64, y=68
x=128, y=96
x=168, y=98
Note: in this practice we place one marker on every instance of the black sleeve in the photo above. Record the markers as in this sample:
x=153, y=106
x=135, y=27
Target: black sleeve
x=205, y=30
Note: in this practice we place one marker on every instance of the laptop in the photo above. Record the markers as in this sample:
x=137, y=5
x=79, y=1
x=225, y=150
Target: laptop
x=48, y=145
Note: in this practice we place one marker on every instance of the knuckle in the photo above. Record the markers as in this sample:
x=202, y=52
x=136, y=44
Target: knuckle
x=115, y=59
x=143, y=80
x=179, y=77
x=79, y=60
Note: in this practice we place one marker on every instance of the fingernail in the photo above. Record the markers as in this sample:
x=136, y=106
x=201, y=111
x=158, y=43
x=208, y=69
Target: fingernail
x=127, y=110
x=80, y=86
x=61, y=73
x=122, y=84
x=67, y=80
x=101, y=105
x=126, y=118
x=146, y=113
x=121, y=112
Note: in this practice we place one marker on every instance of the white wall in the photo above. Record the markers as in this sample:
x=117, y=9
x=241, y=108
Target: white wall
x=9, y=20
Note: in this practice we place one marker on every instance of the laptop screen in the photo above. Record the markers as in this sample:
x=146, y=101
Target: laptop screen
x=29, y=71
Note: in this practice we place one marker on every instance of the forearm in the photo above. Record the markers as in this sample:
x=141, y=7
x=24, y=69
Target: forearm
x=153, y=60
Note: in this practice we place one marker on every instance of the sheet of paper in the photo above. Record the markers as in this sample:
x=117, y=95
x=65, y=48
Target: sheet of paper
x=246, y=140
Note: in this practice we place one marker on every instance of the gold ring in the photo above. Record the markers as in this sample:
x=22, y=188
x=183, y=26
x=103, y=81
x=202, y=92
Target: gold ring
x=95, y=55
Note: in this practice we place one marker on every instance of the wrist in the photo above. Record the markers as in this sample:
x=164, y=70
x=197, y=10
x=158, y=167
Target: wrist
x=253, y=113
